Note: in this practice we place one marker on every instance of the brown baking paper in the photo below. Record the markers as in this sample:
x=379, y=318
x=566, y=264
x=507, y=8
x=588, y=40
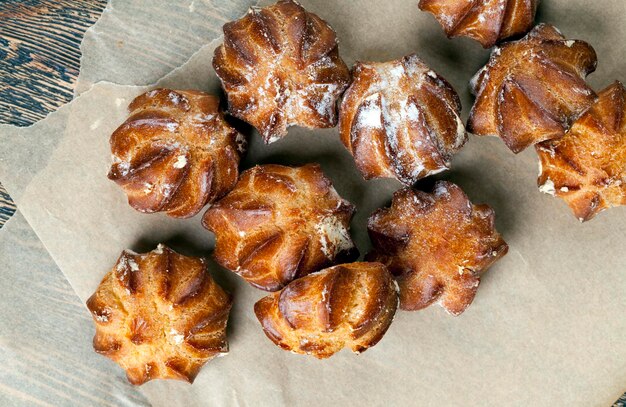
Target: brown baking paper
x=135, y=44
x=546, y=327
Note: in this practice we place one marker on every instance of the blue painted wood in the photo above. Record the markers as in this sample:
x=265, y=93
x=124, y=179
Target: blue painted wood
x=7, y=207
x=40, y=55
x=39, y=60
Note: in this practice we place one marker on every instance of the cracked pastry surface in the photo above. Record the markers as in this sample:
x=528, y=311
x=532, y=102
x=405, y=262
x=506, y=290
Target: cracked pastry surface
x=350, y=305
x=486, y=21
x=175, y=153
x=280, y=223
x=399, y=119
x=280, y=66
x=587, y=167
x=437, y=245
x=531, y=90
x=160, y=315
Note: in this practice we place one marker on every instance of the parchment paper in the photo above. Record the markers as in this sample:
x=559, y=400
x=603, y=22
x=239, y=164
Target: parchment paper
x=45, y=335
x=546, y=325
x=135, y=42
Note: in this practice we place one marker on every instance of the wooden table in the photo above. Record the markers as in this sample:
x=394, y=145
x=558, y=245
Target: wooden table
x=39, y=60
x=39, y=64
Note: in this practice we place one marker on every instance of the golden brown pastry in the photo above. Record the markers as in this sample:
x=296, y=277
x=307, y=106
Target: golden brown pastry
x=350, y=305
x=486, y=21
x=160, y=315
x=280, y=223
x=587, y=167
x=280, y=67
x=436, y=245
x=399, y=119
x=175, y=153
x=532, y=89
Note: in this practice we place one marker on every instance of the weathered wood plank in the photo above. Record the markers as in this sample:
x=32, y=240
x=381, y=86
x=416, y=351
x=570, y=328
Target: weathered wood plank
x=39, y=61
x=40, y=55
x=7, y=207
x=46, y=357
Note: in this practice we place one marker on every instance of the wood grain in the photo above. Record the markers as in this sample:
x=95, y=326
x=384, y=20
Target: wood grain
x=47, y=358
x=40, y=55
x=7, y=207
x=39, y=61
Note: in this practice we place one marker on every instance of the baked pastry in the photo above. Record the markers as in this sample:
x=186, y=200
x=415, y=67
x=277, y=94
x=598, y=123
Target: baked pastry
x=175, y=153
x=486, y=21
x=587, y=167
x=160, y=315
x=280, y=67
x=280, y=223
x=350, y=305
x=399, y=119
x=437, y=245
x=532, y=89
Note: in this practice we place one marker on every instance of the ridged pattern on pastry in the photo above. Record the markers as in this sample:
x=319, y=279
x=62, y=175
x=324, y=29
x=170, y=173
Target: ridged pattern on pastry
x=437, y=245
x=160, y=315
x=280, y=223
x=280, y=66
x=486, y=21
x=350, y=305
x=399, y=119
x=532, y=90
x=175, y=153
x=587, y=167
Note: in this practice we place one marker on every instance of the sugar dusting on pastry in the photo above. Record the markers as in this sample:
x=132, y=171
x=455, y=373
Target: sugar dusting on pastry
x=334, y=236
x=437, y=244
x=177, y=337
x=587, y=166
x=284, y=86
x=370, y=114
x=486, y=21
x=138, y=326
x=368, y=298
x=398, y=98
x=280, y=223
x=548, y=187
x=185, y=129
x=511, y=100
x=181, y=162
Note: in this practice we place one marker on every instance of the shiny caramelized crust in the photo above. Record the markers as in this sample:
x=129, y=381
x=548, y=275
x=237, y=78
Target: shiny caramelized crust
x=281, y=223
x=399, y=119
x=486, y=21
x=587, y=167
x=350, y=305
x=531, y=90
x=175, y=153
x=437, y=245
x=160, y=315
x=280, y=66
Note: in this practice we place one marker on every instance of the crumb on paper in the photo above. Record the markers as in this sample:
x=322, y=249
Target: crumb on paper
x=548, y=187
